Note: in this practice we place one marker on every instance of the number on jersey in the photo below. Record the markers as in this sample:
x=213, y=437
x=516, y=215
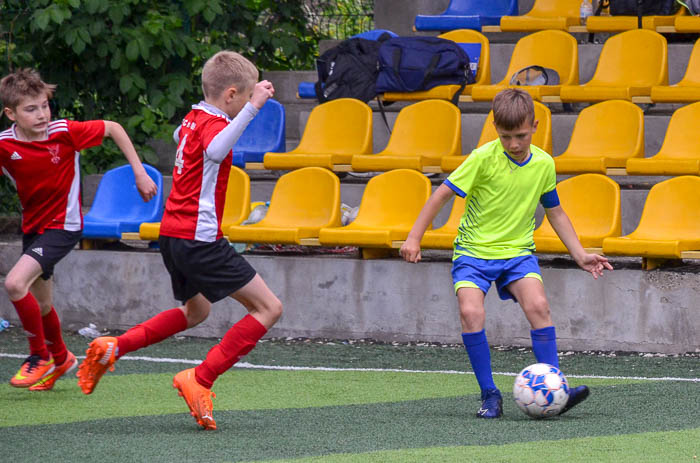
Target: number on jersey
x=180, y=155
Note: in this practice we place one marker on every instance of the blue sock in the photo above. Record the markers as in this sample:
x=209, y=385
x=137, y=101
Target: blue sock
x=544, y=345
x=480, y=357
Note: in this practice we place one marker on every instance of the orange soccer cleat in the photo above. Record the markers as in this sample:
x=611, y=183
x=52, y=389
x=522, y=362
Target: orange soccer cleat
x=32, y=371
x=197, y=397
x=47, y=382
x=100, y=356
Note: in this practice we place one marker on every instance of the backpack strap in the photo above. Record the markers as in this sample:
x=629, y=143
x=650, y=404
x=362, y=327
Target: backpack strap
x=639, y=13
x=429, y=70
x=383, y=113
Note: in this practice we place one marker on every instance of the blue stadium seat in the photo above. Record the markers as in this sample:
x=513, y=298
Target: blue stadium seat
x=306, y=89
x=118, y=207
x=468, y=14
x=264, y=134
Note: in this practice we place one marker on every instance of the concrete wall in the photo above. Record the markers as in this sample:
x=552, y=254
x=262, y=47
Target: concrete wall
x=389, y=300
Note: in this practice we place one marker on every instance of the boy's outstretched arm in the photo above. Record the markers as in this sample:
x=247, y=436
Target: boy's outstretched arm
x=565, y=230
x=146, y=186
x=410, y=249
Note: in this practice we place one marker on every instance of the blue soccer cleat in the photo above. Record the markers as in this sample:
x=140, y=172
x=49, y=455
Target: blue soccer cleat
x=491, y=404
x=576, y=396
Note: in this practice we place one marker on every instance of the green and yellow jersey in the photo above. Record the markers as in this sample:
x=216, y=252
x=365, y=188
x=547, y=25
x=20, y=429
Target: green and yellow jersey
x=501, y=198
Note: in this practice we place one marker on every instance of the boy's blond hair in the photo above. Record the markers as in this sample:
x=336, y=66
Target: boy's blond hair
x=227, y=69
x=513, y=107
x=21, y=84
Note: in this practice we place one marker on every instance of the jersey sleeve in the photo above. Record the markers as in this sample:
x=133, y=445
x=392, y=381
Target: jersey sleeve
x=549, y=197
x=463, y=179
x=86, y=134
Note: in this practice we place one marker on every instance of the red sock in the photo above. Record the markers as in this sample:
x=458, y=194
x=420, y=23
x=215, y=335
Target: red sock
x=154, y=330
x=30, y=316
x=237, y=342
x=54, y=339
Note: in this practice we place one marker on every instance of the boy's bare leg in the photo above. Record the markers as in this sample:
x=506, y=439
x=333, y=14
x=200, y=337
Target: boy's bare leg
x=472, y=314
x=530, y=294
x=260, y=301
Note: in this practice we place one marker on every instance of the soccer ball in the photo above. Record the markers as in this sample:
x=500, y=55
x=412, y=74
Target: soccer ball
x=541, y=390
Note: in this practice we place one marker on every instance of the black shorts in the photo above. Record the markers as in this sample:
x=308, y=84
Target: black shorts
x=50, y=247
x=214, y=269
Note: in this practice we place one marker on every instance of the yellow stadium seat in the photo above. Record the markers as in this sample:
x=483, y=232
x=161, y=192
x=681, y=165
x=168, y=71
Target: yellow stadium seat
x=542, y=138
x=630, y=64
x=688, y=89
x=550, y=49
x=236, y=207
x=626, y=23
x=670, y=222
x=390, y=205
x=422, y=134
x=605, y=136
x=443, y=237
x=303, y=201
x=679, y=153
x=446, y=92
x=545, y=15
x=334, y=132
x=592, y=202
x=687, y=24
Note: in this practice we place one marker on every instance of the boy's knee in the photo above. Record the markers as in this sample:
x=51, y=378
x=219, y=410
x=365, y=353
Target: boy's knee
x=16, y=289
x=537, y=306
x=196, y=314
x=274, y=308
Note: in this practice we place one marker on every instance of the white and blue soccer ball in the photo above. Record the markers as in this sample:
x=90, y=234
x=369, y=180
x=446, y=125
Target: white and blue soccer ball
x=541, y=390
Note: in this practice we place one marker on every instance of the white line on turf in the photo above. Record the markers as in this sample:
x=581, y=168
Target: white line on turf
x=376, y=370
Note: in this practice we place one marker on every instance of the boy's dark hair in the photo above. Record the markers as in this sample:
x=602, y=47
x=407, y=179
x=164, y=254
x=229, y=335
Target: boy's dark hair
x=513, y=107
x=23, y=83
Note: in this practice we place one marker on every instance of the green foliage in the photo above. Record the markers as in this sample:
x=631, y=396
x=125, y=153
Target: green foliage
x=9, y=202
x=138, y=62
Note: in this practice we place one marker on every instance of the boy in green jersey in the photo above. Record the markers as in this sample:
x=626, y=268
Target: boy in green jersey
x=503, y=181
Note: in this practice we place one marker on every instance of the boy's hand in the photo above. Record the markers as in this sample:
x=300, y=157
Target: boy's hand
x=595, y=264
x=410, y=250
x=146, y=186
x=262, y=92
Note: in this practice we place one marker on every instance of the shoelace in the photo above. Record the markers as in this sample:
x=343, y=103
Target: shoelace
x=33, y=361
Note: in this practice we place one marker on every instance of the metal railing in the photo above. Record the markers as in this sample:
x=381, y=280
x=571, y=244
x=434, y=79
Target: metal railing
x=340, y=19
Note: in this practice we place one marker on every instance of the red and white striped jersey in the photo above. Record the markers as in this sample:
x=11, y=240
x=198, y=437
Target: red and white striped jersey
x=46, y=173
x=196, y=202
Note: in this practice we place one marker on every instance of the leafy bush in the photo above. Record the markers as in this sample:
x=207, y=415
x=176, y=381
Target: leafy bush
x=138, y=62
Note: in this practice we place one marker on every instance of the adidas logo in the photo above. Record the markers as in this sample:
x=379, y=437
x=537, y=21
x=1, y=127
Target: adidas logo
x=39, y=251
x=15, y=156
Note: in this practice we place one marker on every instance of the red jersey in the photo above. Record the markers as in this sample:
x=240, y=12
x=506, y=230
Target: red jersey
x=196, y=202
x=46, y=173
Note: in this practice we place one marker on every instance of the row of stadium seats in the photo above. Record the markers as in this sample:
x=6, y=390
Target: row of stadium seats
x=502, y=15
x=305, y=210
x=632, y=66
x=608, y=138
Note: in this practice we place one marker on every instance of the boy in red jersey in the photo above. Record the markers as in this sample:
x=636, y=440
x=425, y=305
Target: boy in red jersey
x=203, y=267
x=41, y=157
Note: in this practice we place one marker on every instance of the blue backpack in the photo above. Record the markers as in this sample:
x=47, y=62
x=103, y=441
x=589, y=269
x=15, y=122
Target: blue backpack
x=409, y=64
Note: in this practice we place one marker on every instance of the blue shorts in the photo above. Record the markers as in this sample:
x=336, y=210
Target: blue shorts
x=472, y=272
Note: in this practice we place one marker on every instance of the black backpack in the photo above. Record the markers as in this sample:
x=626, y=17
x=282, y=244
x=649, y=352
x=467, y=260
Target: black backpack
x=409, y=64
x=348, y=70
x=643, y=7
